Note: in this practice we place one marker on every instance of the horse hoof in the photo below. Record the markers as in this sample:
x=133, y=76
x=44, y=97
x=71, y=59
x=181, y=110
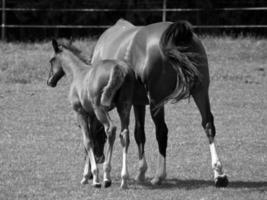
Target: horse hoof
x=107, y=183
x=156, y=181
x=97, y=185
x=221, y=181
x=140, y=178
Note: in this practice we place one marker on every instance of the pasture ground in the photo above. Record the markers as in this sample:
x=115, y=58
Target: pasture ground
x=41, y=154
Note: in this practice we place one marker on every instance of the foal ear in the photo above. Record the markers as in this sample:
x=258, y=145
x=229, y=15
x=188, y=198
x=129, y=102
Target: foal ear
x=71, y=41
x=56, y=46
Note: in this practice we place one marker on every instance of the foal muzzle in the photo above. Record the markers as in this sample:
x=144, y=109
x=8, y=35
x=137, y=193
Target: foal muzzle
x=51, y=83
x=54, y=78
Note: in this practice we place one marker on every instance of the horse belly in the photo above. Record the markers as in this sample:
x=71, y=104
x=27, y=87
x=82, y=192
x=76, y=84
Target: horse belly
x=161, y=81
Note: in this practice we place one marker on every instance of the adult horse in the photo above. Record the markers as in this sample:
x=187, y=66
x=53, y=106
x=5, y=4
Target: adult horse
x=170, y=63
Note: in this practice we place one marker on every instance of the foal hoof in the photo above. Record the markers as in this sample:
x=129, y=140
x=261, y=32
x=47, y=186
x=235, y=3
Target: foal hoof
x=221, y=181
x=124, y=186
x=97, y=185
x=107, y=183
x=84, y=181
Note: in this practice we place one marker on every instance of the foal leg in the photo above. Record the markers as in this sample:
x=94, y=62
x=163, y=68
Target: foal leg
x=124, y=114
x=202, y=101
x=90, y=158
x=162, y=137
x=140, y=138
x=87, y=175
x=110, y=130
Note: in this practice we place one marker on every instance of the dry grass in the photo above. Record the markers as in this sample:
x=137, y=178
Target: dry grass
x=41, y=154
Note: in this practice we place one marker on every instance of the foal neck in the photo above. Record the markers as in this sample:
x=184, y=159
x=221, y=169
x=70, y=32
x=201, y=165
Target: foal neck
x=74, y=66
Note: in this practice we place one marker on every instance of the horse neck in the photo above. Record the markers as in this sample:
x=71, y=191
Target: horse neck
x=74, y=67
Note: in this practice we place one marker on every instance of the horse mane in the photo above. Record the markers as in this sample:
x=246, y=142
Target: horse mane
x=77, y=52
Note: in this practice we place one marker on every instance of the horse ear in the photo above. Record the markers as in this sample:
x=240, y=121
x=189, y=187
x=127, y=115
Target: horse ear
x=56, y=46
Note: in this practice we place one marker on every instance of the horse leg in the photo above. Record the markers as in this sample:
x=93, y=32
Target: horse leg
x=140, y=138
x=90, y=158
x=110, y=130
x=201, y=99
x=162, y=137
x=124, y=114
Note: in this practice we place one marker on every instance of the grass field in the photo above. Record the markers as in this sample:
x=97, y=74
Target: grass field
x=41, y=154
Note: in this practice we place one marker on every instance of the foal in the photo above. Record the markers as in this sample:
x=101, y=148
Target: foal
x=94, y=91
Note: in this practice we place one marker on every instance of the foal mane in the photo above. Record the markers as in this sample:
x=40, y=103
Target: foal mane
x=77, y=52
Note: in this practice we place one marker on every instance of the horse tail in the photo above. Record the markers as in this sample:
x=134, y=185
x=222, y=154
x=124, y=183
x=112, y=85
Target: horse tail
x=173, y=42
x=116, y=79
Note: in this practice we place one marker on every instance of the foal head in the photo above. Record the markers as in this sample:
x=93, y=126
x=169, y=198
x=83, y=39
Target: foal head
x=56, y=70
x=64, y=52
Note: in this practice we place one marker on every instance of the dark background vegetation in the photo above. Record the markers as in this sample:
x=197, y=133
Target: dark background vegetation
x=207, y=17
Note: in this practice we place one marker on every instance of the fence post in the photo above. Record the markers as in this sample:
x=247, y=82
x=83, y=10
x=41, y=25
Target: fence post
x=164, y=10
x=3, y=31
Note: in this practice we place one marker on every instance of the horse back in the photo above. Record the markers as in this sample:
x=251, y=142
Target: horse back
x=115, y=42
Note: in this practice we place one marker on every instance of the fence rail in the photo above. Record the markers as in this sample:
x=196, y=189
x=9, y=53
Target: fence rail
x=107, y=26
x=134, y=9
x=163, y=10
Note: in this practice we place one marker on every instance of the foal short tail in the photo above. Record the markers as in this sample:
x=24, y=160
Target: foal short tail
x=173, y=44
x=116, y=79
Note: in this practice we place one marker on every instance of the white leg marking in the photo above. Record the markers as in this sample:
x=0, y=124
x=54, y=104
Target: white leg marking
x=94, y=168
x=142, y=169
x=86, y=171
x=161, y=170
x=124, y=171
x=220, y=178
x=215, y=162
x=107, y=170
x=107, y=164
